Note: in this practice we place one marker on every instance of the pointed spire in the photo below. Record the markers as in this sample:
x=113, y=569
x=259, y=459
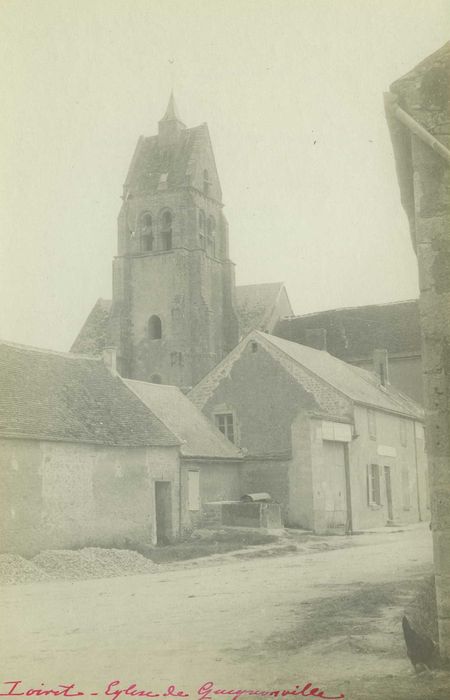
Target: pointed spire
x=170, y=126
x=171, y=113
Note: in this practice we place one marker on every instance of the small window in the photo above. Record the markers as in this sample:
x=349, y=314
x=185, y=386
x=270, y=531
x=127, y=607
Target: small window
x=372, y=423
x=403, y=434
x=225, y=423
x=156, y=379
x=154, y=328
x=206, y=182
x=254, y=346
x=374, y=486
x=193, y=490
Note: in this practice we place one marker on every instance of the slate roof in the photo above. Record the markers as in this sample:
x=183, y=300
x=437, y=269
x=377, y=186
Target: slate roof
x=92, y=338
x=353, y=333
x=198, y=436
x=358, y=384
x=150, y=161
x=59, y=396
x=255, y=304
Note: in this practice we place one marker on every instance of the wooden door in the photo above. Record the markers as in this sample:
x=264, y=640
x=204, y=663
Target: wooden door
x=334, y=484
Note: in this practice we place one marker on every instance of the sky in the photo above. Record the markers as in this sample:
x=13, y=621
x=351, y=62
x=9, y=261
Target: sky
x=292, y=91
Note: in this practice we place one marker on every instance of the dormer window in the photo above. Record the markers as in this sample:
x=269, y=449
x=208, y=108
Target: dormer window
x=166, y=230
x=162, y=184
x=206, y=183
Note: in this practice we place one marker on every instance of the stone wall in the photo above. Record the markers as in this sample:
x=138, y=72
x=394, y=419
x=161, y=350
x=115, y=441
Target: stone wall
x=63, y=495
x=424, y=183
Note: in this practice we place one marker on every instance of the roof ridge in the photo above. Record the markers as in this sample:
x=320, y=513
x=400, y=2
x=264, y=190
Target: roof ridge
x=49, y=351
x=350, y=308
x=359, y=372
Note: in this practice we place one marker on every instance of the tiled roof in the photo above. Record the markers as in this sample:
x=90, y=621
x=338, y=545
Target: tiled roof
x=92, y=338
x=199, y=437
x=150, y=161
x=353, y=333
x=59, y=396
x=255, y=304
x=357, y=384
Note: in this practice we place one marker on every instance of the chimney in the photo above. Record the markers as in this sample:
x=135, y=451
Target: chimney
x=110, y=359
x=380, y=366
x=316, y=338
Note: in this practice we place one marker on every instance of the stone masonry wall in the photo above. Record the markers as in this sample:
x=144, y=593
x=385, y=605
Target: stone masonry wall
x=424, y=94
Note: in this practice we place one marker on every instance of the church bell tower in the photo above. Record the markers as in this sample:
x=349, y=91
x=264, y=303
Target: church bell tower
x=173, y=315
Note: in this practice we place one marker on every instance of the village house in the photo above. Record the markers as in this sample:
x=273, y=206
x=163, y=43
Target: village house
x=86, y=462
x=361, y=334
x=210, y=464
x=327, y=440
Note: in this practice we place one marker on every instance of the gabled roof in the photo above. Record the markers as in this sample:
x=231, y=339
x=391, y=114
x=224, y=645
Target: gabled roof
x=198, y=436
x=50, y=395
x=178, y=162
x=356, y=384
x=256, y=304
x=92, y=338
x=353, y=333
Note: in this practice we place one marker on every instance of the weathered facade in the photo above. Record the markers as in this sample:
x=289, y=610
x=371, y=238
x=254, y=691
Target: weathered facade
x=83, y=461
x=325, y=439
x=172, y=317
x=210, y=465
x=418, y=113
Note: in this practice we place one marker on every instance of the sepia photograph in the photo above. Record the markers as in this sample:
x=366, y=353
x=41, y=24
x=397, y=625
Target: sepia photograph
x=225, y=349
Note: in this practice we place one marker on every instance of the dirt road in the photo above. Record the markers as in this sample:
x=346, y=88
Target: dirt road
x=231, y=623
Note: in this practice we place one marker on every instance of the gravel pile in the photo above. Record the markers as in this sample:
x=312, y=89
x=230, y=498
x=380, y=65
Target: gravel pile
x=16, y=569
x=119, y=562
x=65, y=564
x=92, y=562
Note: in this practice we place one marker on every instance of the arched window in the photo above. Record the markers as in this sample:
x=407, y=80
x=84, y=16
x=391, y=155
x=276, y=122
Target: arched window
x=154, y=328
x=202, y=227
x=166, y=230
x=156, y=379
x=210, y=242
x=206, y=182
x=146, y=232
